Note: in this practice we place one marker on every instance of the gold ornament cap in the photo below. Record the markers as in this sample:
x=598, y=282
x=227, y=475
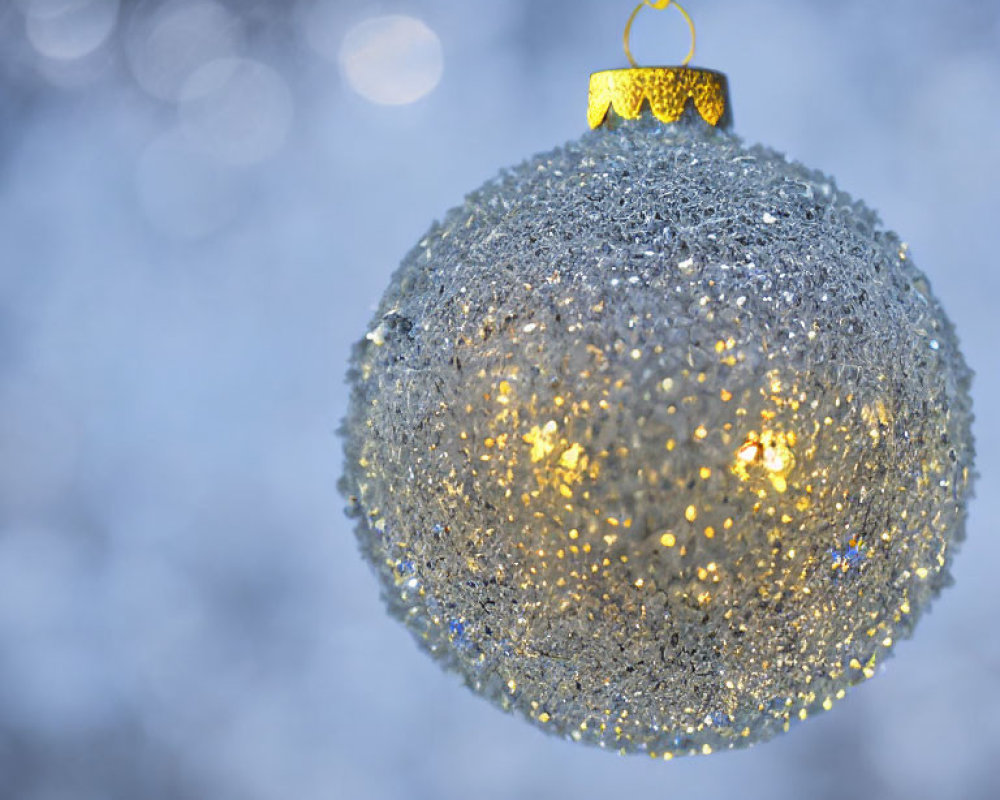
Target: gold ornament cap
x=669, y=91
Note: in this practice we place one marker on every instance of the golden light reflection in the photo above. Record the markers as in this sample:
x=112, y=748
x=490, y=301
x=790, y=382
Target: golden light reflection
x=769, y=452
x=543, y=440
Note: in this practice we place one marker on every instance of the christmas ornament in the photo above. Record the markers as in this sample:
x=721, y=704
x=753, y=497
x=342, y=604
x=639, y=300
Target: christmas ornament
x=660, y=439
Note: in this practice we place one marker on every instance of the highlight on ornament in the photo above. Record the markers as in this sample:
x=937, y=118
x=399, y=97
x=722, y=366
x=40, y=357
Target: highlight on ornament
x=660, y=440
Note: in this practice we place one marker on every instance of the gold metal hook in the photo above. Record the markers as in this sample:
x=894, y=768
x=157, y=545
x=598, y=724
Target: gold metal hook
x=659, y=5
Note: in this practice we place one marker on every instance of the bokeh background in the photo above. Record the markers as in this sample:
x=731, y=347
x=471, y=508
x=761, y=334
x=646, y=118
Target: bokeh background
x=200, y=202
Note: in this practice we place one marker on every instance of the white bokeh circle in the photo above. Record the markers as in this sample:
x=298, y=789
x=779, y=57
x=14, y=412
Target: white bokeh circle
x=66, y=30
x=392, y=60
x=238, y=110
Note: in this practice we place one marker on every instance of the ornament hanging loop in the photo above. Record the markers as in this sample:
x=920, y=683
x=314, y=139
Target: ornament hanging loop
x=659, y=5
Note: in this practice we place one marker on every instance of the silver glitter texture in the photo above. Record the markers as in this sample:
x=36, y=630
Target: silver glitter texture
x=659, y=440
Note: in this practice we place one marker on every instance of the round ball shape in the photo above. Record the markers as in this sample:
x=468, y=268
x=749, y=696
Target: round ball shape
x=660, y=440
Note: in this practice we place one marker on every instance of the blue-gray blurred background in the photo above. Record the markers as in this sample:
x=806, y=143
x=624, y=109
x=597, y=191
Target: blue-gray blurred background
x=200, y=202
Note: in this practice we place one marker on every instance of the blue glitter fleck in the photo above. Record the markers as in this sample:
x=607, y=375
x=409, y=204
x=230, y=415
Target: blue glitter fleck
x=850, y=557
x=777, y=704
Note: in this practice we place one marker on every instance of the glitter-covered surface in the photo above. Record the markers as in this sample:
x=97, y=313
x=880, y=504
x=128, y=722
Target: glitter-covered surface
x=660, y=441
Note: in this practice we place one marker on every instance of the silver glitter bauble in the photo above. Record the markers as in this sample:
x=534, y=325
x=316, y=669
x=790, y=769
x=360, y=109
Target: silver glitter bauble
x=660, y=440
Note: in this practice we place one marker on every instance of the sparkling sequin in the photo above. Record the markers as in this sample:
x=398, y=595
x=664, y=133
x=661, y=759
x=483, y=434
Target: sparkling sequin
x=660, y=441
